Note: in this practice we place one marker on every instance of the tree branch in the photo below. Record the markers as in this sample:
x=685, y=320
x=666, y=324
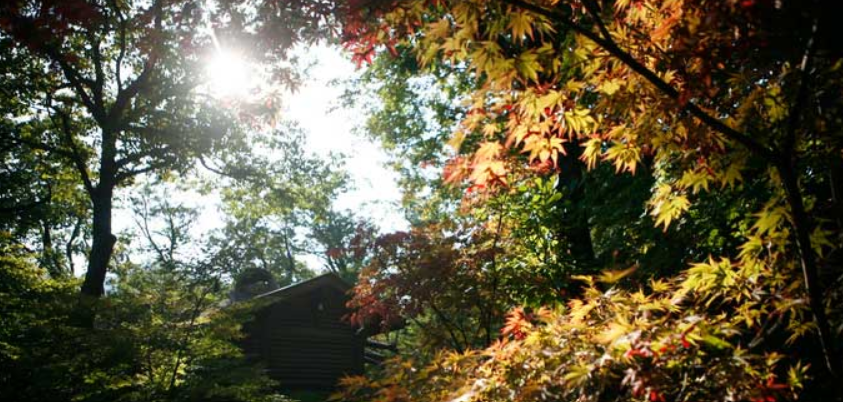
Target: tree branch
x=126, y=95
x=121, y=42
x=68, y=248
x=802, y=93
x=610, y=46
x=75, y=156
x=136, y=157
x=76, y=80
x=126, y=174
x=143, y=224
x=99, y=74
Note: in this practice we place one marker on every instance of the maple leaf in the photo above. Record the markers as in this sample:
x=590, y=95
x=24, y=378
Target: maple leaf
x=624, y=156
x=517, y=323
x=667, y=205
x=609, y=87
x=593, y=149
x=528, y=65
x=520, y=23
x=490, y=129
x=488, y=150
x=732, y=176
x=613, y=276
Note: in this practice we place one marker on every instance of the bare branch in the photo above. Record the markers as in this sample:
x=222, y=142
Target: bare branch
x=142, y=210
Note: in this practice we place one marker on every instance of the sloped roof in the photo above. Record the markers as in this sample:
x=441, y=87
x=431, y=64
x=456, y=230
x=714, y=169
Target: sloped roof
x=326, y=280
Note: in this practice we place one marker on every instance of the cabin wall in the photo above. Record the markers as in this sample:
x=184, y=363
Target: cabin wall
x=303, y=345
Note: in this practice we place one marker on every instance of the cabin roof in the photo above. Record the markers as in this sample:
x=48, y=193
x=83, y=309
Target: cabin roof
x=330, y=279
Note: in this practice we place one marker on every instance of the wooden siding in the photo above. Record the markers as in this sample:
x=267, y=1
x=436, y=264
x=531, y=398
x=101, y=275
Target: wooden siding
x=303, y=342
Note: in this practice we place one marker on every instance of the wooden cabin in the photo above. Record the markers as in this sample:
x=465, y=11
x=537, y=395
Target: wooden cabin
x=300, y=337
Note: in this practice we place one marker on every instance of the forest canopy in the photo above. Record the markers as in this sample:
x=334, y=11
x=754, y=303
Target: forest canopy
x=633, y=200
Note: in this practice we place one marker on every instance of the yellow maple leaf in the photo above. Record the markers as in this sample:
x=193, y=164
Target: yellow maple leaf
x=591, y=153
x=520, y=24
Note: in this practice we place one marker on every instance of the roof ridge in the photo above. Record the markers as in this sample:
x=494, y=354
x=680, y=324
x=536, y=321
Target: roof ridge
x=328, y=275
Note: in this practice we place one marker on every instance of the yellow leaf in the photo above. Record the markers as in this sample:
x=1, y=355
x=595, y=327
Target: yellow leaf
x=732, y=175
x=820, y=240
x=551, y=99
x=488, y=150
x=695, y=179
x=527, y=64
x=593, y=149
x=609, y=87
x=624, y=156
x=520, y=24
x=456, y=141
x=577, y=375
x=490, y=129
x=612, y=276
x=667, y=205
x=615, y=331
x=769, y=220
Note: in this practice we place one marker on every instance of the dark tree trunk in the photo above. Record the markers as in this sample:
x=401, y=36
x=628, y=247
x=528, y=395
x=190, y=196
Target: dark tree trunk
x=575, y=229
x=291, y=262
x=837, y=190
x=48, y=256
x=103, y=242
x=808, y=264
x=102, y=199
x=68, y=248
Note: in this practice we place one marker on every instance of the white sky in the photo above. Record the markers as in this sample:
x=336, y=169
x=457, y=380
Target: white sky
x=376, y=194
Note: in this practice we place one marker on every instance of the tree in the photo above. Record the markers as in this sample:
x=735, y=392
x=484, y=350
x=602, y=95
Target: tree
x=701, y=94
x=342, y=240
x=441, y=280
x=160, y=336
x=113, y=90
x=275, y=206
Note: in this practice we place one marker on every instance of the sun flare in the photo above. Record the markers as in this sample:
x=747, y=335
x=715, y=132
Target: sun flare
x=228, y=75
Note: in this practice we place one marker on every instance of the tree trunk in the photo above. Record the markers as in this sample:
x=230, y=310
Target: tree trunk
x=102, y=199
x=103, y=242
x=836, y=178
x=48, y=256
x=808, y=264
x=575, y=228
x=291, y=262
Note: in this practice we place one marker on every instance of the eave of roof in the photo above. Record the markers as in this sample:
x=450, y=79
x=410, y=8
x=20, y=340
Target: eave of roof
x=329, y=279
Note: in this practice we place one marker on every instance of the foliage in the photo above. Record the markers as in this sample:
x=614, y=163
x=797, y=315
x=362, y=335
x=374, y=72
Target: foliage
x=159, y=336
x=106, y=91
x=731, y=126
x=437, y=282
x=609, y=345
x=279, y=209
x=342, y=239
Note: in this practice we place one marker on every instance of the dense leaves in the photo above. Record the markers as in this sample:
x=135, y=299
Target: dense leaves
x=650, y=188
x=693, y=140
x=158, y=337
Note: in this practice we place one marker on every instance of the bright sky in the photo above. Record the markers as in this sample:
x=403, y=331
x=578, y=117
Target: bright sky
x=376, y=194
x=330, y=129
